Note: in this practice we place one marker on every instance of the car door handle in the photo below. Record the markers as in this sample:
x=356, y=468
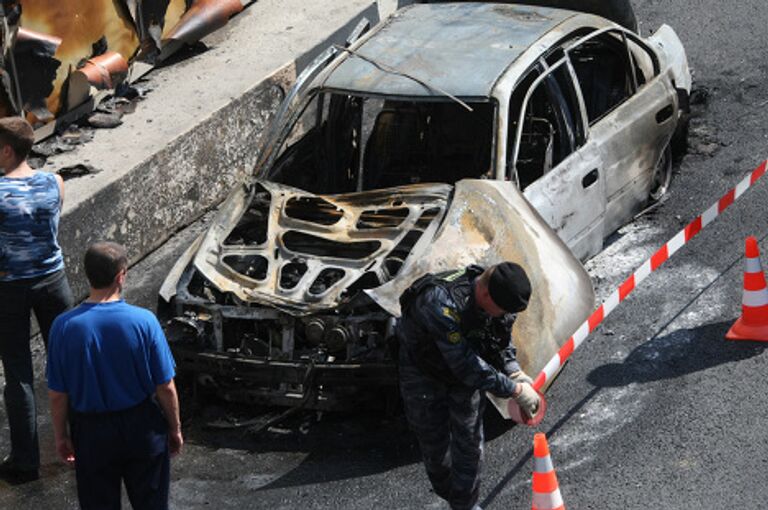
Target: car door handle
x=589, y=179
x=664, y=114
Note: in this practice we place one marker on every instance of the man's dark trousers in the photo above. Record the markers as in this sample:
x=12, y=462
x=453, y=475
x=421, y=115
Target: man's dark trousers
x=47, y=296
x=129, y=445
x=448, y=423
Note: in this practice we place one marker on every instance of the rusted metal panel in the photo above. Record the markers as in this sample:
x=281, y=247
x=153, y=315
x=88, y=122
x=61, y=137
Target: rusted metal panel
x=74, y=29
x=79, y=24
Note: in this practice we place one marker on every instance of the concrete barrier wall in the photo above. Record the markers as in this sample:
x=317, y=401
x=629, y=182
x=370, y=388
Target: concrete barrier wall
x=176, y=185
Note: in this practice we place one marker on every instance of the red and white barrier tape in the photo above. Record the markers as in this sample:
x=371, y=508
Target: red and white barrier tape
x=649, y=266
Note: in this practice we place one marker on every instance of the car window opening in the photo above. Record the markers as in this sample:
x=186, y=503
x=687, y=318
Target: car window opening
x=605, y=74
x=343, y=143
x=552, y=127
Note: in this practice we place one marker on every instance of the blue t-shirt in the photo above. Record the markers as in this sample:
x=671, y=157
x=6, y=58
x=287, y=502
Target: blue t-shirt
x=107, y=356
x=29, y=223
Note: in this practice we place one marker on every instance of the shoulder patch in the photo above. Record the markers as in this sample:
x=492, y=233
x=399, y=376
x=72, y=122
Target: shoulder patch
x=454, y=337
x=451, y=314
x=450, y=277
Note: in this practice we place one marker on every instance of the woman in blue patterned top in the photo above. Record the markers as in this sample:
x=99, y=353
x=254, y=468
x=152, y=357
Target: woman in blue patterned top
x=31, y=279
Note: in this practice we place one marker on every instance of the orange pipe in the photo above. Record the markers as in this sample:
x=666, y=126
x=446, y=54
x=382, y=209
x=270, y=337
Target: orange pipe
x=105, y=71
x=203, y=18
x=25, y=34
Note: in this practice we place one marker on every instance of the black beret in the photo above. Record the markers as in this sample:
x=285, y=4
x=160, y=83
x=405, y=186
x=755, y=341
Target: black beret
x=509, y=287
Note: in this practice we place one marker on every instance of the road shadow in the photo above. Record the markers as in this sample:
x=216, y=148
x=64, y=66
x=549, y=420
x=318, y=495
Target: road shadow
x=670, y=356
x=679, y=353
x=333, y=446
x=338, y=446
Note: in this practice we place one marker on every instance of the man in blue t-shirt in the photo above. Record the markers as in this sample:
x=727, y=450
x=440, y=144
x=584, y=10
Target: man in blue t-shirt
x=113, y=401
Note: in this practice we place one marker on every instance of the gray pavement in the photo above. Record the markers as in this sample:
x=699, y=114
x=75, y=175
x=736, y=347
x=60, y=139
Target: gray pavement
x=656, y=410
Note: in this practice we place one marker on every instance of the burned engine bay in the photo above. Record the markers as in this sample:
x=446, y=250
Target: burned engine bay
x=285, y=284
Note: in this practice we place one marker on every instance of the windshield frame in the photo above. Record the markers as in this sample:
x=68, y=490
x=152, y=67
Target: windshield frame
x=293, y=115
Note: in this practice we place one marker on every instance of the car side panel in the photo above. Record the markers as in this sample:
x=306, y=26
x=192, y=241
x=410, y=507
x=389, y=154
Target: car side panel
x=571, y=199
x=631, y=139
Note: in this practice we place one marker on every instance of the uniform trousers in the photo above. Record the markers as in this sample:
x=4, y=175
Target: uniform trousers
x=448, y=423
x=131, y=446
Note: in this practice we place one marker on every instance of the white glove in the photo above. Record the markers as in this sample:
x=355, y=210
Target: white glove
x=527, y=398
x=521, y=377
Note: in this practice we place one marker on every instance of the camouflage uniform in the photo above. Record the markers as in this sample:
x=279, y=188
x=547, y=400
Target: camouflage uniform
x=450, y=353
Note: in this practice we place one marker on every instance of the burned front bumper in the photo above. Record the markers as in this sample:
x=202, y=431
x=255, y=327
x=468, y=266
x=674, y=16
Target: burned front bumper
x=305, y=383
x=266, y=356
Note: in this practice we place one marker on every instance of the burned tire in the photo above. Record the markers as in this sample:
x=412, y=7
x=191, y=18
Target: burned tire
x=662, y=176
x=618, y=11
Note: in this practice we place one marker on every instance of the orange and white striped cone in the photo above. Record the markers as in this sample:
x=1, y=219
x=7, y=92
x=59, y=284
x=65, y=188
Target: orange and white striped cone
x=546, y=491
x=753, y=323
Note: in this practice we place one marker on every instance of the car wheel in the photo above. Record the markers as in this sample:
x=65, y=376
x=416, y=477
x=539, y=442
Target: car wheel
x=662, y=176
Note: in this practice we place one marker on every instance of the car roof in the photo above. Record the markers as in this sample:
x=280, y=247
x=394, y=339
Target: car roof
x=460, y=48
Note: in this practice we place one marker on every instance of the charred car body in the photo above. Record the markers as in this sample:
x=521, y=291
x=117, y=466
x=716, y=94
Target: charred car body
x=449, y=134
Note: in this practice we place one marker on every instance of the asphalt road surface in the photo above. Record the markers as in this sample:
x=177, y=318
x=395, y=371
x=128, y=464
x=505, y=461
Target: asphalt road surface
x=656, y=410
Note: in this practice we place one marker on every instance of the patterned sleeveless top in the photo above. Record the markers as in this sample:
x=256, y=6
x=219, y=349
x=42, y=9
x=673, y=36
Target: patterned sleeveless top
x=29, y=223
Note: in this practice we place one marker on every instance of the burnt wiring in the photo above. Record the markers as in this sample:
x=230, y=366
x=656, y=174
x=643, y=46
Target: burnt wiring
x=394, y=71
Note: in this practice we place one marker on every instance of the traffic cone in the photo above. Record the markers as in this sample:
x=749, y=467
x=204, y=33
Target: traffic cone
x=546, y=492
x=753, y=323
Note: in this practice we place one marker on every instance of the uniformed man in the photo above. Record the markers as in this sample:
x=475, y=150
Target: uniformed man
x=455, y=344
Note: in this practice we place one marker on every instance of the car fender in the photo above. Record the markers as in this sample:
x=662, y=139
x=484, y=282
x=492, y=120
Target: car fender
x=674, y=59
x=489, y=222
x=168, y=288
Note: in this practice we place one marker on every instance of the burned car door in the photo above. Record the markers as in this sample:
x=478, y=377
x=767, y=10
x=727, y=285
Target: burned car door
x=557, y=170
x=632, y=113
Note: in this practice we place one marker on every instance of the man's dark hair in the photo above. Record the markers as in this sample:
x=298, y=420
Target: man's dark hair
x=18, y=134
x=103, y=260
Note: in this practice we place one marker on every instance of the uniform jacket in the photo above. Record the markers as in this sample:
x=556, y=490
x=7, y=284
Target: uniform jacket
x=450, y=339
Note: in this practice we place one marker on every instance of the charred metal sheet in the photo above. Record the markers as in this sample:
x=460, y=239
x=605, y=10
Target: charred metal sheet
x=36, y=69
x=78, y=170
x=294, y=250
x=249, y=254
x=562, y=291
x=483, y=40
x=10, y=98
x=148, y=20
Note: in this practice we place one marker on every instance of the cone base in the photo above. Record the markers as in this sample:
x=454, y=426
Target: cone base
x=742, y=331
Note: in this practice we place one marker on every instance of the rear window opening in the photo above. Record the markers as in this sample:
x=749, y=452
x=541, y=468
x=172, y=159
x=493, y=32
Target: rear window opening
x=343, y=143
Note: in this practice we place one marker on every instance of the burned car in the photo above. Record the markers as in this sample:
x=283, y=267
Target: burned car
x=449, y=134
